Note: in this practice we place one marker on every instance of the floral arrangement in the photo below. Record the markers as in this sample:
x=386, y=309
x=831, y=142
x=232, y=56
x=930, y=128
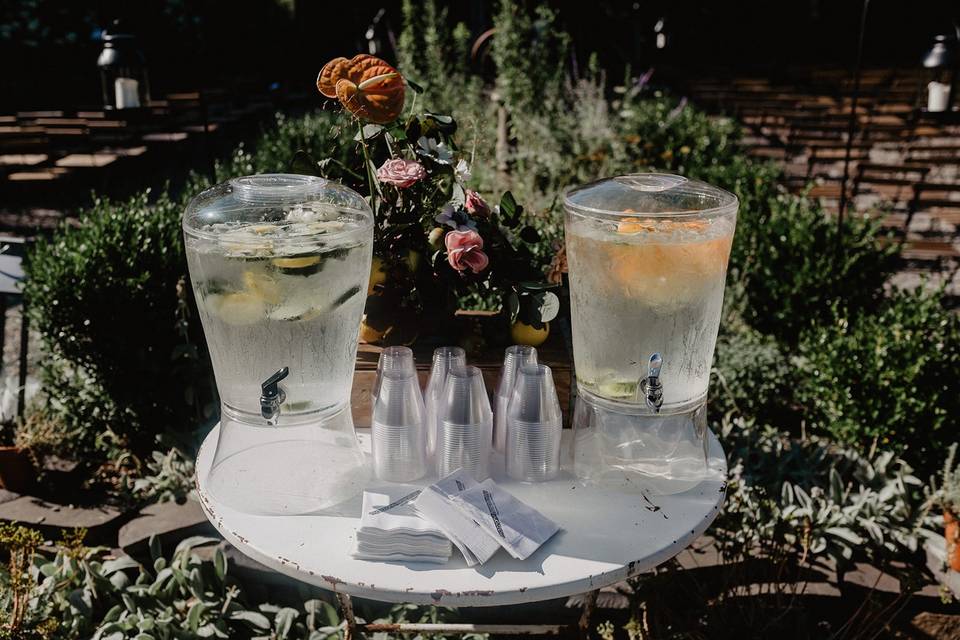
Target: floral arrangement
x=435, y=239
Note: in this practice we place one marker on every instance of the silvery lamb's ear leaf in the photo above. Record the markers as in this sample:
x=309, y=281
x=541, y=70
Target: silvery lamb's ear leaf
x=254, y=618
x=836, y=486
x=119, y=564
x=193, y=541
x=220, y=563
x=283, y=622
x=120, y=580
x=156, y=551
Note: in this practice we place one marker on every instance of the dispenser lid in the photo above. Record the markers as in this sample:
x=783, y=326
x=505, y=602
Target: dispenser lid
x=284, y=208
x=649, y=195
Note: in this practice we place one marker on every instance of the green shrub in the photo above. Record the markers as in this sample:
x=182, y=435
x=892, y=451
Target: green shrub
x=531, y=53
x=123, y=344
x=789, y=258
x=890, y=379
x=82, y=592
x=751, y=377
x=817, y=500
x=437, y=59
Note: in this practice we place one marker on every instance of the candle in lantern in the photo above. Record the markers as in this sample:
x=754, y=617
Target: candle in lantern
x=127, y=93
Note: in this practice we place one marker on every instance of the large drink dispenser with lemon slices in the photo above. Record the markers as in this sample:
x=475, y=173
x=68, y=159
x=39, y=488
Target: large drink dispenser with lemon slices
x=279, y=266
x=647, y=257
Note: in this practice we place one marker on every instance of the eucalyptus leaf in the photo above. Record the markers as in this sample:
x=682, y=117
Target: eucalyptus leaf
x=548, y=305
x=513, y=306
x=370, y=131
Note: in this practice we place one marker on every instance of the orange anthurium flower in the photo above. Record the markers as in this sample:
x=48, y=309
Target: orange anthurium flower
x=365, y=85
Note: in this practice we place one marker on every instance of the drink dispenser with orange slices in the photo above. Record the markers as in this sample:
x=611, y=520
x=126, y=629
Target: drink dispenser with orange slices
x=647, y=256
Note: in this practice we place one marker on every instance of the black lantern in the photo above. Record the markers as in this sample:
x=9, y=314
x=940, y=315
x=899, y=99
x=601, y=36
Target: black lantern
x=942, y=62
x=123, y=73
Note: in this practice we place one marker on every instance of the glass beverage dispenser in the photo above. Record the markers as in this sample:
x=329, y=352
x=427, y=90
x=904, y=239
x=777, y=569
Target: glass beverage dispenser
x=279, y=266
x=647, y=258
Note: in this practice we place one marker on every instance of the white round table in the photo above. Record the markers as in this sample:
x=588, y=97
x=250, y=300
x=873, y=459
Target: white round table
x=606, y=536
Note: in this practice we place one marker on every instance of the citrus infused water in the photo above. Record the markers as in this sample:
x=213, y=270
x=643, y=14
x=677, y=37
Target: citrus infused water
x=282, y=295
x=641, y=286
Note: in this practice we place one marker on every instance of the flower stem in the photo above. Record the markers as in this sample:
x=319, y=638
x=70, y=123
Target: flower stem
x=371, y=181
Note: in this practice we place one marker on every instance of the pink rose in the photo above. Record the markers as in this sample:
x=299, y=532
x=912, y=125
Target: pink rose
x=476, y=205
x=401, y=173
x=465, y=251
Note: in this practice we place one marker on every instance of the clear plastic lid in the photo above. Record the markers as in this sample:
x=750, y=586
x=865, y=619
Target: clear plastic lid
x=285, y=210
x=652, y=195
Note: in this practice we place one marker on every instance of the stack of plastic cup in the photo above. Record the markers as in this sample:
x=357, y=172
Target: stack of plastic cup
x=392, y=359
x=533, y=426
x=398, y=434
x=514, y=357
x=465, y=425
x=444, y=359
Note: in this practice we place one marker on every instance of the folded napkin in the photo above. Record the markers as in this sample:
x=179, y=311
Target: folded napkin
x=391, y=531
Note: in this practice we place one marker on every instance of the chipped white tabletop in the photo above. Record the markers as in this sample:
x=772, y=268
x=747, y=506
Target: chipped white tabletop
x=606, y=536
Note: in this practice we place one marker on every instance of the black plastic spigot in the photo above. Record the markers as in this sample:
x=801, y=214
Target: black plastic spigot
x=272, y=394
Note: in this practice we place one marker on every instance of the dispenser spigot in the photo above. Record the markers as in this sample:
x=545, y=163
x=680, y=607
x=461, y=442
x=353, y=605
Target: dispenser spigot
x=272, y=395
x=651, y=386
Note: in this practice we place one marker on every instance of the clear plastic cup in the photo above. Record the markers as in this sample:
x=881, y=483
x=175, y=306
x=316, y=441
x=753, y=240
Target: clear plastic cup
x=398, y=430
x=465, y=424
x=534, y=426
x=444, y=359
x=514, y=357
x=392, y=359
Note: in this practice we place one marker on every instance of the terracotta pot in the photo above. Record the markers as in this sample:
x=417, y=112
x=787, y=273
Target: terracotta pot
x=951, y=531
x=16, y=470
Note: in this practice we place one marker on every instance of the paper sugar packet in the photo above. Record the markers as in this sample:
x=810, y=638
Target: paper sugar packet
x=517, y=527
x=433, y=504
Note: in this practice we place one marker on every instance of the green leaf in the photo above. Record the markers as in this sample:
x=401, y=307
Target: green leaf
x=193, y=617
x=284, y=621
x=156, y=551
x=530, y=235
x=193, y=541
x=253, y=618
x=548, y=305
x=119, y=564
x=510, y=210
x=398, y=132
x=303, y=163
x=333, y=616
x=113, y=614
x=513, y=306
x=220, y=563
x=370, y=131
x=413, y=85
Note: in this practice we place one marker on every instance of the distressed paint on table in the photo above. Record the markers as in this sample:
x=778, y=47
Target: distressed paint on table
x=607, y=536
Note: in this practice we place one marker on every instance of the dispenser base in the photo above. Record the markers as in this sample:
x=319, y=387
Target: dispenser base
x=297, y=467
x=626, y=446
